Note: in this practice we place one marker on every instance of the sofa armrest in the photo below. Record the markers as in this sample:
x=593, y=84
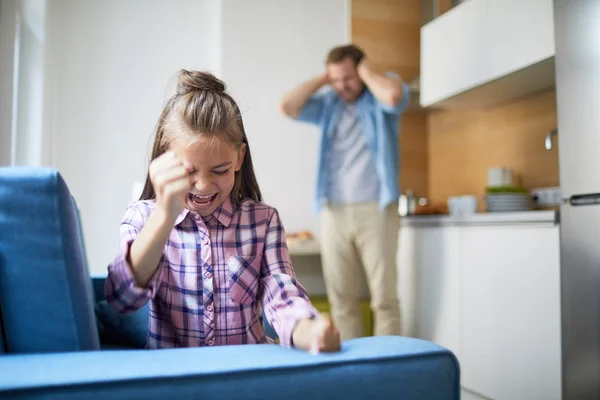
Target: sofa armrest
x=372, y=367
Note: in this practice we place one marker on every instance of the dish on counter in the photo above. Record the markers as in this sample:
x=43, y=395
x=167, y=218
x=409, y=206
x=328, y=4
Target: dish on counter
x=508, y=199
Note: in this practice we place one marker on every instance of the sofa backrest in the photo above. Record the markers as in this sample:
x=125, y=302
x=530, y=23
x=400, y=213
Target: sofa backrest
x=2, y=342
x=45, y=290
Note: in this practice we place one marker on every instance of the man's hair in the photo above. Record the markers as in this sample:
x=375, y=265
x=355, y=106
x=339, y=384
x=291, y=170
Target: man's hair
x=340, y=53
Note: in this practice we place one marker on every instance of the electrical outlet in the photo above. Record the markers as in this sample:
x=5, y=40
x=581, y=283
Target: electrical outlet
x=547, y=197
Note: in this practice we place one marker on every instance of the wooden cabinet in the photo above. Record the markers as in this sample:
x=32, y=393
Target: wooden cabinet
x=491, y=294
x=484, y=52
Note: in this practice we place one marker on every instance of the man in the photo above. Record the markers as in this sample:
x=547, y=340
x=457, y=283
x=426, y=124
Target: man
x=357, y=185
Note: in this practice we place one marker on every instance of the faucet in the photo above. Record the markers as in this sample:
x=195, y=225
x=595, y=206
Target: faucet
x=548, y=141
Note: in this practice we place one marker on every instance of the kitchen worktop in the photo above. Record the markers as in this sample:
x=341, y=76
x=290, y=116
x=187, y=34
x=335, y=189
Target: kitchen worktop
x=505, y=218
x=304, y=247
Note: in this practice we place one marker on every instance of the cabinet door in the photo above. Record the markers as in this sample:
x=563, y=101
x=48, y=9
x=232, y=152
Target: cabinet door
x=521, y=34
x=408, y=290
x=454, y=52
x=438, y=317
x=510, y=308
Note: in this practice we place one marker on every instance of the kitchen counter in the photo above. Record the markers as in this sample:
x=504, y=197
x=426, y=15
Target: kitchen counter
x=507, y=218
x=304, y=247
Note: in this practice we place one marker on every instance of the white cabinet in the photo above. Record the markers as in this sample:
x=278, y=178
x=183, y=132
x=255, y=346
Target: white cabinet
x=408, y=279
x=510, y=318
x=483, y=52
x=451, y=49
x=521, y=34
x=491, y=294
x=429, y=279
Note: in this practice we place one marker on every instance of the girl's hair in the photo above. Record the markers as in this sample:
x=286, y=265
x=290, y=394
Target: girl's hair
x=201, y=107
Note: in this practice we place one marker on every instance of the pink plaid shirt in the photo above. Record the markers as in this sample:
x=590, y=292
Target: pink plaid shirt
x=215, y=274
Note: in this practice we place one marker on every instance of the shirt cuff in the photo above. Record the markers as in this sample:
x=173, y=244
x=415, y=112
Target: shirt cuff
x=122, y=290
x=298, y=313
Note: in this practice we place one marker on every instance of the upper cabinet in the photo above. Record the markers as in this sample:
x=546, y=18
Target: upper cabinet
x=521, y=34
x=485, y=52
x=451, y=49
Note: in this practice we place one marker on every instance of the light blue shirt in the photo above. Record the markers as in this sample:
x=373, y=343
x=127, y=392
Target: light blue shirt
x=380, y=125
x=352, y=176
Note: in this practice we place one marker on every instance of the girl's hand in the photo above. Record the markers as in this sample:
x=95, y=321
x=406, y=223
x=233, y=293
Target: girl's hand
x=325, y=336
x=171, y=180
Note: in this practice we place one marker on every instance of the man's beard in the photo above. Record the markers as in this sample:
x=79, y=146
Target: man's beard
x=350, y=95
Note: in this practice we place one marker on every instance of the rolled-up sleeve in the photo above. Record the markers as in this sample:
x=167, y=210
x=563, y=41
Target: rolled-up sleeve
x=404, y=102
x=312, y=112
x=121, y=289
x=284, y=299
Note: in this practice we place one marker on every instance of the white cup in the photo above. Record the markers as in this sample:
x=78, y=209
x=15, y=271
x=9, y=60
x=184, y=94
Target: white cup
x=454, y=206
x=462, y=206
x=500, y=176
x=468, y=205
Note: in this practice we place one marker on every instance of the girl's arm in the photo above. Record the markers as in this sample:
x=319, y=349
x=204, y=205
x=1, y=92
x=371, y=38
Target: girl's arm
x=171, y=181
x=121, y=288
x=143, y=237
x=286, y=302
x=147, y=249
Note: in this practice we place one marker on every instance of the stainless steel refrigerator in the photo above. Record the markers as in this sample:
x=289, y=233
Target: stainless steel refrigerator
x=577, y=37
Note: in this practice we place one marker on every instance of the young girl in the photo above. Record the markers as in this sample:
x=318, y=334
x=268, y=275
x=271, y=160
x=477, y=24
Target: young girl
x=200, y=245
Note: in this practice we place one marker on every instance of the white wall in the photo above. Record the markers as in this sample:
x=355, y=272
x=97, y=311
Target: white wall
x=269, y=46
x=29, y=99
x=109, y=65
x=22, y=50
x=8, y=15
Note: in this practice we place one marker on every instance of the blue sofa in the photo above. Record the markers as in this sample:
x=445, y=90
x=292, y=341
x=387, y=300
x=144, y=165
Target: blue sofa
x=57, y=341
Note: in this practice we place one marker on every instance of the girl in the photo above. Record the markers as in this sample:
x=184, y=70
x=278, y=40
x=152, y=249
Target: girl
x=200, y=245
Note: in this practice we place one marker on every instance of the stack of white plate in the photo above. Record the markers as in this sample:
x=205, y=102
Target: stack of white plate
x=508, y=202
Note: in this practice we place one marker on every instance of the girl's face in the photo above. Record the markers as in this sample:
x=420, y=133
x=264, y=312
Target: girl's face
x=215, y=162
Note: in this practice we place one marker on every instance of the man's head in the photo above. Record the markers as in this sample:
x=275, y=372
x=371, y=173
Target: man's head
x=342, y=72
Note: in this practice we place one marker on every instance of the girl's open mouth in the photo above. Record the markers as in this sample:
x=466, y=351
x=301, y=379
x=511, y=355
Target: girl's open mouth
x=202, y=200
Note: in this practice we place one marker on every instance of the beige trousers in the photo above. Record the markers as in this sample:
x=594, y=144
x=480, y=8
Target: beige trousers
x=361, y=236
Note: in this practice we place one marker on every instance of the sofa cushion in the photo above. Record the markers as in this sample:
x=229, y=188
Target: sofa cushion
x=367, y=368
x=121, y=330
x=45, y=290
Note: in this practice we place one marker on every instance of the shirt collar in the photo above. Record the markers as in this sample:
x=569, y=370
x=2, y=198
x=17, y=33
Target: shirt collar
x=360, y=101
x=181, y=216
x=223, y=214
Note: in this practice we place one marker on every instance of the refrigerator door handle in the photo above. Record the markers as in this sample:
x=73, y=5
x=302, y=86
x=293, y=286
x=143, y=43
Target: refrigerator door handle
x=588, y=199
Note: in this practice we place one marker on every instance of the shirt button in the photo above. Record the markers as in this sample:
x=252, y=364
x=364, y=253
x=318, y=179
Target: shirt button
x=209, y=307
x=207, y=274
x=211, y=342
